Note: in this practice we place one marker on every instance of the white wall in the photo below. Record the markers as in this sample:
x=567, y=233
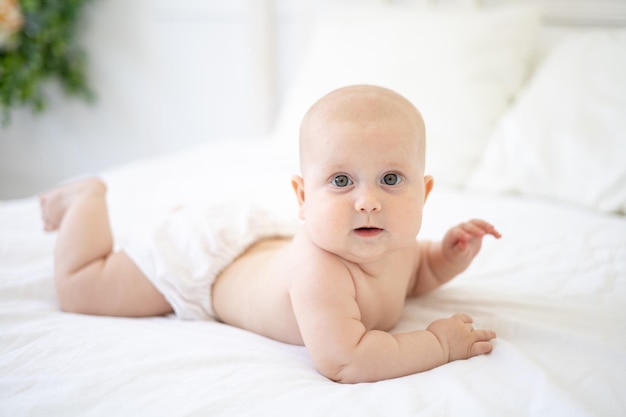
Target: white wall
x=167, y=74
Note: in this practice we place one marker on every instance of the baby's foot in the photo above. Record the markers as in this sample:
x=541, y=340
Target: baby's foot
x=54, y=203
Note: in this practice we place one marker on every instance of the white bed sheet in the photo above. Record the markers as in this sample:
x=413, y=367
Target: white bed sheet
x=554, y=289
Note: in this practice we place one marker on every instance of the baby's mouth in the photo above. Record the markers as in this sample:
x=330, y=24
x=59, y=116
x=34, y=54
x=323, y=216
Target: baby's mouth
x=368, y=231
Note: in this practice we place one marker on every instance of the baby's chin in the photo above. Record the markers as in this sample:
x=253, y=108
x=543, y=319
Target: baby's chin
x=366, y=251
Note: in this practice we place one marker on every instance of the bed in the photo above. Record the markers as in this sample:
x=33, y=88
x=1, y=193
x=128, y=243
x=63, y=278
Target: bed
x=525, y=129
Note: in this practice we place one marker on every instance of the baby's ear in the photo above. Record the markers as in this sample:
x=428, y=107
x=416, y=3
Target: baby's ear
x=428, y=185
x=297, y=183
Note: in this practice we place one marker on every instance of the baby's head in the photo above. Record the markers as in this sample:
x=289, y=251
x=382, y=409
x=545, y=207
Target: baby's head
x=365, y=106
x=362, y=189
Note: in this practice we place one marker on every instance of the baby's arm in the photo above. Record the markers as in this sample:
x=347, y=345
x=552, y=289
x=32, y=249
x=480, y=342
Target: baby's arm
x=344, y=350
x=442, y=261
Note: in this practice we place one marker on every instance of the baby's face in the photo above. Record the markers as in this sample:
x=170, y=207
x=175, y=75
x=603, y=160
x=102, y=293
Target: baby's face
x=364, y=186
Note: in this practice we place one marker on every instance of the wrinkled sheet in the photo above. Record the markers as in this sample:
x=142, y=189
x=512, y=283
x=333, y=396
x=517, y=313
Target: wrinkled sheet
x=553, y=288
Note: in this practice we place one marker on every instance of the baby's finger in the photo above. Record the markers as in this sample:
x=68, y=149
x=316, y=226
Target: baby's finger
x=465, y=318
x=482, y=335
x=480, y=348
x=474, y=229
x=486, y=227
x=457, y=234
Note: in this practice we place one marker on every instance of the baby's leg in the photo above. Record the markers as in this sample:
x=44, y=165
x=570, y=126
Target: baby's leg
x=89, y=277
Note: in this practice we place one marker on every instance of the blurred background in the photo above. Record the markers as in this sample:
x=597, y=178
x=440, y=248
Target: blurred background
x=167, y=75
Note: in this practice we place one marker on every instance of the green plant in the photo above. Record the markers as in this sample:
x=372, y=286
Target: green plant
x=42, y=49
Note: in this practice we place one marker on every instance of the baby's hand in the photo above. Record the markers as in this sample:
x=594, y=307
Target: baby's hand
x=462, y=242
x=459, y=339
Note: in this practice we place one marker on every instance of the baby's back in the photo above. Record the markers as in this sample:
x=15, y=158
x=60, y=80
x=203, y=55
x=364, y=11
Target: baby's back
x=253, y=292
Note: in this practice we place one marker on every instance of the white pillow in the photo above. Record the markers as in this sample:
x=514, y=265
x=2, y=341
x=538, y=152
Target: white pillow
x=460, y=68
x=565, y=137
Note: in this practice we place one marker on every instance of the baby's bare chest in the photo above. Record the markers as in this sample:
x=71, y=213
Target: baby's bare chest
x=381, y=299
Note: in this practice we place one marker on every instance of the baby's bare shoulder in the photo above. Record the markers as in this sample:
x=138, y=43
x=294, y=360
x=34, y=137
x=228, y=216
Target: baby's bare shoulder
x=315, y=267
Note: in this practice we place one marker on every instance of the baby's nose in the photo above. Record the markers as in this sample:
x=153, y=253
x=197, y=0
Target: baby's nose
x=367, y=202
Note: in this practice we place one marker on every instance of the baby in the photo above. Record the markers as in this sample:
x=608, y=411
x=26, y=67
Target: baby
x=337, y=284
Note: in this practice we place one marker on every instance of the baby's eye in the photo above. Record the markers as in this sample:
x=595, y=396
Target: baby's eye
x=342, y=181
x=391, y=179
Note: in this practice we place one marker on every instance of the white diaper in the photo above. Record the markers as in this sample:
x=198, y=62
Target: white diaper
x=185, y=253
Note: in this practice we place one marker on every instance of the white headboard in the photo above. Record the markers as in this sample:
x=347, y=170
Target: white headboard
x=577, y=12
x=558, y=12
